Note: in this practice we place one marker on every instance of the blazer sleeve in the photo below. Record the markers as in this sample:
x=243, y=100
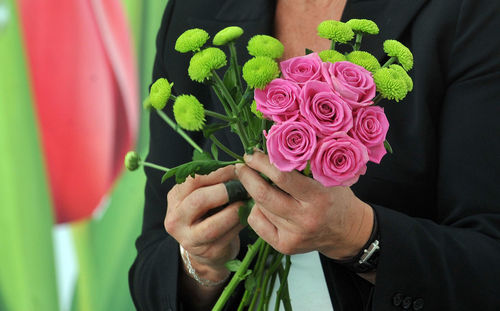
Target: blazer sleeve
x=454, y=263
x=153, y=275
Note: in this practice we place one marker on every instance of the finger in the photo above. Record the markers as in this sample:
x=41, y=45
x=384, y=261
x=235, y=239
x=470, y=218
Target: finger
x=263, y=193
x=219, y=176
x=216, y=226
x=294, y=183
x=262, y=226
x=202, y=200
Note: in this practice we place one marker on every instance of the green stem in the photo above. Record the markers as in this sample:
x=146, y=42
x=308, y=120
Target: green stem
x=179, y=131
x=264, y=141
x=225, y=93
x=224, y=148
x=158, y=167
x=377, y=99
x=244, y=300
x=283, y=285
x=357, y=44
x=270, y=291
x=172, y=97
x=332, y=46
x=214, y=114
x=260, y=272
x=234, y=62
x=237, y=277
x=217, y=92
x=390, y=62
x=276, y=262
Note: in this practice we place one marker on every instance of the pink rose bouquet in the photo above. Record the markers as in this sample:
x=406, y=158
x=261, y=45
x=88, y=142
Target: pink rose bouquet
x=316, y=114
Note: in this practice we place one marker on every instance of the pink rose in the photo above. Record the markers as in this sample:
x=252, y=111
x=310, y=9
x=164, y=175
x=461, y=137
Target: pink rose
x=325, y=110
x=370, y=128
x=354, y=83
x=301, y=69
x=279, y=100
x=290, y=145
x=339, y=160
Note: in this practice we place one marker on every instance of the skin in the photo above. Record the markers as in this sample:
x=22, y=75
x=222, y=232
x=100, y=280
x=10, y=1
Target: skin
x=331, y=220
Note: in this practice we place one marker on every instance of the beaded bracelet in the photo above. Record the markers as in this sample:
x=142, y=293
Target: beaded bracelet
x=192, y=272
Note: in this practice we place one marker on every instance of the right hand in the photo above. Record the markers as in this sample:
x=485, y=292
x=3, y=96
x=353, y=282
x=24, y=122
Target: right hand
x=210, y=241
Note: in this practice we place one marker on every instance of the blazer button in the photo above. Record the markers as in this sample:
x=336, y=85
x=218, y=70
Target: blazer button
x=407, y=303
x=397, y=299
x=418, y=304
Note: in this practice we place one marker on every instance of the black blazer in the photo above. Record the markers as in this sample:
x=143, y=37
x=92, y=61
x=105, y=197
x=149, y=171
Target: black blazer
x=437, y=197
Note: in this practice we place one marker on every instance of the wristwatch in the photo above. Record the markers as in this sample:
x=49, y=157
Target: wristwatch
x=367, y=259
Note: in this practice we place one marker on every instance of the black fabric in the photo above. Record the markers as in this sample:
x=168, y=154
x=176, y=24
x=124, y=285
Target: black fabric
x=437, y=197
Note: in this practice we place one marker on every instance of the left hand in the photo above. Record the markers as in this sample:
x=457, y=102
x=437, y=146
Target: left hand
x=302, y=215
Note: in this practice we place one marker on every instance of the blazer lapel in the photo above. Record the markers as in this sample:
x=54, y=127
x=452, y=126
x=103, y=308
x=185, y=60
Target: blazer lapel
x=392, y=17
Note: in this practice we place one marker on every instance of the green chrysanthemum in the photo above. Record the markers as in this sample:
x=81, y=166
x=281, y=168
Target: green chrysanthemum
x=332, y=56
x=160, y=93
x=254, y=110
x=191, y=40
x=263, y=45
x=259, y=71
x=132, y=160
x=391, y=83
x=404, y=75
x=189, y=113
x=394, y=48
x=364, y=59
x=203, y=62
x=363, y=25
x=335, y=31
x=227, y=35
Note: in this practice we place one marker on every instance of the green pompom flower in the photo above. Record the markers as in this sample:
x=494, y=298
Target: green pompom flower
x=364, y=59
x=263, y=45
x=391, y=83
x=191, y=40
x=259, y=71
x=146, y=103
x=189, y=113
x=132, y=160
x=363, y=25
x=396, y=49
x=331, y=56
x=254, y=110
x=160, y=93
x=335, y=31
x=203, y=62
x=408, y=80
x=227, y=35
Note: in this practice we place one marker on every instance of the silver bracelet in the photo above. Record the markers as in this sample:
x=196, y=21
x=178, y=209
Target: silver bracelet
x=194, y=275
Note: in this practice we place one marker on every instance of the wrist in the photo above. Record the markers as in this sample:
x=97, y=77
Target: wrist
x=204, y=274
x=355, y=237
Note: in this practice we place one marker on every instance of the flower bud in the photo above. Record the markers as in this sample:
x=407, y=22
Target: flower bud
x=132, y=160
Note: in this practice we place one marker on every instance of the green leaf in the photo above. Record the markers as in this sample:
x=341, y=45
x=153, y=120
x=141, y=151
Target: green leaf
x=244, y=211
x=200, y=167
x=27, y=266
x=210, y=129
x=233, y=265
x=388, y=146
x=215, y=151
x=198, y=156
x=308, y=51
x=250, y=283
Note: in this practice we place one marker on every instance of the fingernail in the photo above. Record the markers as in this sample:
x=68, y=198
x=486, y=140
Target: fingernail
x=247, y=157
x=237, y=168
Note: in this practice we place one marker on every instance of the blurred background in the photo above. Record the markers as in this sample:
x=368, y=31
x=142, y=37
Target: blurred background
x=73, y=75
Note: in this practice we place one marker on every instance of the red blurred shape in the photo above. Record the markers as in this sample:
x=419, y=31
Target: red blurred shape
x=84, y=79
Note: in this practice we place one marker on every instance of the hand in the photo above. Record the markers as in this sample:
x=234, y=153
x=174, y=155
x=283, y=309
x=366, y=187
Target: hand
x=302, y=215
x=210, y=240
